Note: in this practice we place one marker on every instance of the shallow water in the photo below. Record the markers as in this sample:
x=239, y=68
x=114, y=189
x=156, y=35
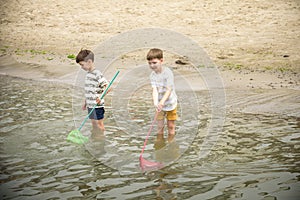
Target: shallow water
x=256, y=156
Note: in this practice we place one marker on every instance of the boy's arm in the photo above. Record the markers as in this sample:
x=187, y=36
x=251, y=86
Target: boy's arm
x=155, y=96
x=159, y=105
x=165, y=97
x=104, y=88
x=102, y=83
x=98, y=100
x=84, y=105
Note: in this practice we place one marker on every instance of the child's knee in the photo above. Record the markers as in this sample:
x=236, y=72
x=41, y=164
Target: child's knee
x=100, y=125
x=171, y=126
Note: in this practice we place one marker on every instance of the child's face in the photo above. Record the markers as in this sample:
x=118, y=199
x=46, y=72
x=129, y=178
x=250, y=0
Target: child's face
x=155, y=64
x=85, y=65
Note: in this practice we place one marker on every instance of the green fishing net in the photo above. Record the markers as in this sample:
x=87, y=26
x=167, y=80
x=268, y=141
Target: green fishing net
x=76, y=137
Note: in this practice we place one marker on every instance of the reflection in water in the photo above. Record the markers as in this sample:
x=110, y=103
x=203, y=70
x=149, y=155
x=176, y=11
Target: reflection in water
x=256, y=157
x=97, y=143
x=166, y=151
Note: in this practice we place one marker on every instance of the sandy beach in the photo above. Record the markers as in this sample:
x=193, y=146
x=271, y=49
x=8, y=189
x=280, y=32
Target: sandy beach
x=255, y=44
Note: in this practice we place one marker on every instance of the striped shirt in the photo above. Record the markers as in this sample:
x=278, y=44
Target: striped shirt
x=161, y=81
x=94, y=87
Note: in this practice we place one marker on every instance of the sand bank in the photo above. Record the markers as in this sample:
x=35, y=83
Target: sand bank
x=254, y=44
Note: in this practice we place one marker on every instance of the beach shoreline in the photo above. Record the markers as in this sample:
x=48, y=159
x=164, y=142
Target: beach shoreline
x=66, y=72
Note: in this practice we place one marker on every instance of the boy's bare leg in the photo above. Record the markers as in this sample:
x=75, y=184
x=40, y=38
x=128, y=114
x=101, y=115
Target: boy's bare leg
x=171, y=127
x=160, y=126
x=159, y=142
x=98, y=124
x=97, y=134
x=101, y=125
x=160, y=137
x=171, y=137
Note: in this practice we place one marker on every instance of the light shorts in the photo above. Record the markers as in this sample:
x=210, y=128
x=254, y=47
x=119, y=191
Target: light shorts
x=170, y=115
x=97, y=114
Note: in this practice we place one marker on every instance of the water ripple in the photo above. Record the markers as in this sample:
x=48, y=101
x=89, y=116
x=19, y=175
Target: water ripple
x=255, y=157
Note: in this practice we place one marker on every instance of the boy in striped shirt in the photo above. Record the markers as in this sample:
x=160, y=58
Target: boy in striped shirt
x=95, y=84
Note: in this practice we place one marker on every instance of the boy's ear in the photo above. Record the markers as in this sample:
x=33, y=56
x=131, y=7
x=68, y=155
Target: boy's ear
x=89, y=61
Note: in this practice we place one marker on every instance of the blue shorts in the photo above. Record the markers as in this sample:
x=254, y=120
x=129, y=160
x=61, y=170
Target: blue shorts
x=97, y=114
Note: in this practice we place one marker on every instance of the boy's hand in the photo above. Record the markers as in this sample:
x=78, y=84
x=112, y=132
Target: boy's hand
x=98, y=101
x=159, y=107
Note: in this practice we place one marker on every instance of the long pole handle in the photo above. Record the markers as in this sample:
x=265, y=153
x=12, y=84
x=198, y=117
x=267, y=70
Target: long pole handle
x=103, y=94
x=150, y=130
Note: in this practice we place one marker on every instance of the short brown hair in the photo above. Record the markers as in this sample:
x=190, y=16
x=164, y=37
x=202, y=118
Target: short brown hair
x=84, y=55
x=155, y=53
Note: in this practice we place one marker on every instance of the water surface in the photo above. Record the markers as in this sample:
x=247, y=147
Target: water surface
x=255, y=157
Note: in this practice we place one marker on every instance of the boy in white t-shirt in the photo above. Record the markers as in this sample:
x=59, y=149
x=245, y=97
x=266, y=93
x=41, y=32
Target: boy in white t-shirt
x=163, y=92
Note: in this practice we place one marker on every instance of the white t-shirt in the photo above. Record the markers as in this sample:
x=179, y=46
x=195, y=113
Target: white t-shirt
x=161, y=81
